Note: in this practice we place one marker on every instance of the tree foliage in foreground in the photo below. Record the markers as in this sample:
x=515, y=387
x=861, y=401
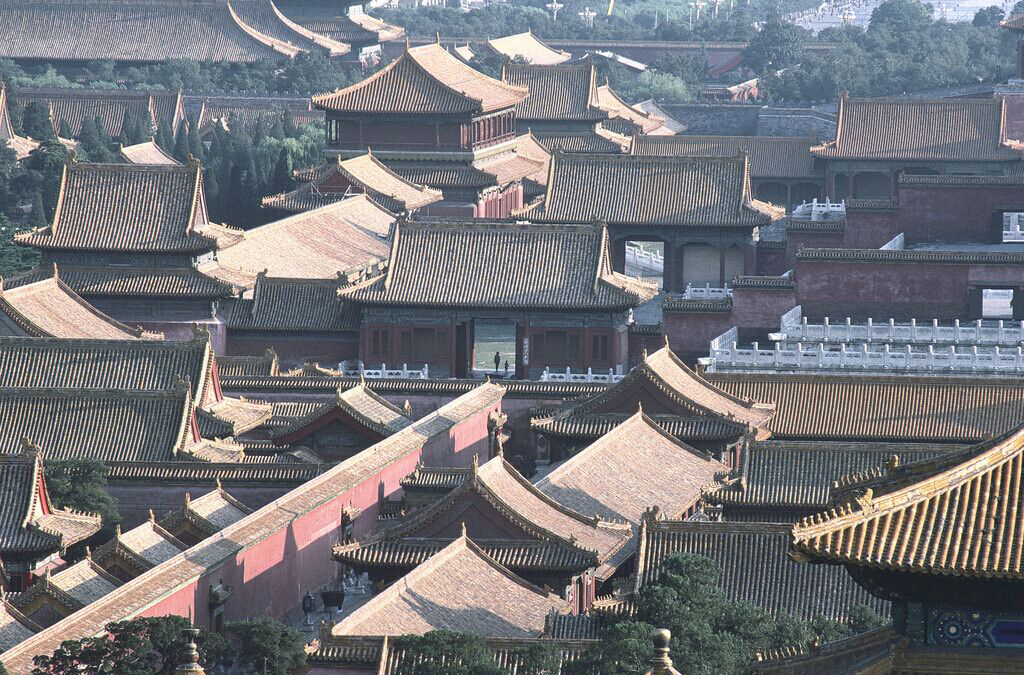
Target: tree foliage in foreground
x=81, y=484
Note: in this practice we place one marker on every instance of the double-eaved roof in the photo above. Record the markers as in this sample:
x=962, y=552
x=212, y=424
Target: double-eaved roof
x=566, y=92
x=706, y=192
x=685, y=402
x=349, y=236
x=954, y=514
x=127, y=207
x=459, y=588
x=634, y=467
x=961, y=129
x=770, y=156
x=423, y=80
x=31, y=528
x=363, y=174
x=153, y=30
x=50, y=308
x=490, y=264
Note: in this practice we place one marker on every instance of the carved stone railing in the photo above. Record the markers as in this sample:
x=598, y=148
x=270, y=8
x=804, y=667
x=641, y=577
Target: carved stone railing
x=356, y=369
x=590, y=376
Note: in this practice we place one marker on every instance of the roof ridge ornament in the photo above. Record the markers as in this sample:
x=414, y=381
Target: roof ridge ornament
x=661, y=661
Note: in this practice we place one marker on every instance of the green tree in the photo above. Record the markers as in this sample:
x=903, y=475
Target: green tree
x=901, y=16
x=37, y=217
x=181, y=149
x=81, y=484
x=443, y=652
x=711, y=635
x=64, y=131
x=14, y=258
x=778, y=45
x=35, y=121
x=282, y=180
x=987, y=17
x=44, y=170
x=267, y=641
x=143, y=646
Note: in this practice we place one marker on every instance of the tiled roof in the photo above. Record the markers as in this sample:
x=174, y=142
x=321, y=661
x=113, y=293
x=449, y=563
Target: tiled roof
x=576, y=142
x=626, y=189
x=755, y=567
x=248, y=366
x=880, y=408
x=644, y=122
x=364, y=174
x=237, y=415
x=557, y=92
x=921, y=256
x=345, y=23
x=127, y=207
x=1013, y=22
x=110, y=425
x=344, y=236
x=310, y=305
x=870, y=653
x=448, y=387
x=444, y=174
x=104, y=364
x=526, y=46
x=681, y=388
x=425, y=80
x=71, y=106
x=459, y=588
x=522, y=556
x=530, y=160
x=359, y=403
x=944, y=129
x=800, y=474
x=50, y=308
x=244, y=110
x=131, y=281
x=282, y=33
x=770, y=157
x=435, y=479
x=635, y=466
x=651, y=107
x=148, y=31
x=85, y=581
x=598, y=424
x=29, y=523
x=957, y=515
x=484, y=264
x=14, y=626
x=147, y=152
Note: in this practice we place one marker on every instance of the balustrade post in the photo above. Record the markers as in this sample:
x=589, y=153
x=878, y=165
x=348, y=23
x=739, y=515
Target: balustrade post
x=871, y=327
x=999, y=332
x=935, y=330
x=892, y=327
x=426, y=371
x=590, y=374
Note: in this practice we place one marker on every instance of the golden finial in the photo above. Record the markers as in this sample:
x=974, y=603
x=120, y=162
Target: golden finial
x=462, y=528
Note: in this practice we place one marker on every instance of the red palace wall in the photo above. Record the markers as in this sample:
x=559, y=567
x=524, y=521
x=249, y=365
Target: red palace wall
x=270, y=576
x=690, y=332
x=870, y=229
x=500, y=204
x=772, y=261
x=952, y=213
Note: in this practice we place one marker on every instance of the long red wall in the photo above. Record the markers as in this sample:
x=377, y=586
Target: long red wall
x=272, y=557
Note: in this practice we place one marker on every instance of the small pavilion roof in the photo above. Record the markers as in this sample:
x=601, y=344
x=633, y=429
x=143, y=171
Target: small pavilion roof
x=50, y=308
x=29, y=523
x=459, y=588
x=595, y=142
x=358, y=403
x=645, y=122
x=566, y=92
x=152, y=31
x=148, y=543
x=490, y=264
x=643, y=190
x=298, y=305
x=211, y=513
x=1014, y=23
x=635, y=466
x=954, y=514
x=881, y=408
x=683, y=391
x=363, y=174
x=755, y=567
x=147, y=152
x=651, y=107
x=425, y=79
x=944, y=129
x=344, y=236
x=770, y=156
x=127, y=207
x=526, y=46
x=72, y=588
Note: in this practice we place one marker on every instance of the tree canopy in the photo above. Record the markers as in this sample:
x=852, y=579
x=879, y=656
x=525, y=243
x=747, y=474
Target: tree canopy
x=81, y=484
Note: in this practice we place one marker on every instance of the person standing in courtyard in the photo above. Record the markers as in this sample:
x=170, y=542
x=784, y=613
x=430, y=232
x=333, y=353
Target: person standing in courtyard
x=497, y=362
